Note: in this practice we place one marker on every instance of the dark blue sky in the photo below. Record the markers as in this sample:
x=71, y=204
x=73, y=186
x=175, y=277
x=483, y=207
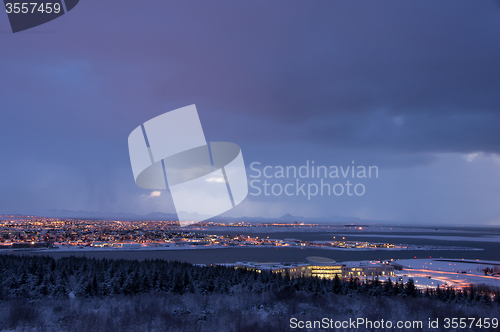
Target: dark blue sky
x=412, y=87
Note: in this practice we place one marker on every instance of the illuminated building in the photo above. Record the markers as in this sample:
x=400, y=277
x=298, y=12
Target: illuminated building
x=360, y=269
x=322, y=267
x=319, y=267
x=293, y=270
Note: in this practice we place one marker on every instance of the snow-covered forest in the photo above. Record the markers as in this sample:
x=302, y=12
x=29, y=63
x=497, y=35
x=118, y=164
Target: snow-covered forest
x=81, y=294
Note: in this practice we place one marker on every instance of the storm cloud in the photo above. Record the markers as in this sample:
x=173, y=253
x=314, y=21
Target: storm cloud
x=397, y=84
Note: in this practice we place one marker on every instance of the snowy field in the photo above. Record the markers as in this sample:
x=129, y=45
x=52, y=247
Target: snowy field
x=441, y=271
x=451, y=272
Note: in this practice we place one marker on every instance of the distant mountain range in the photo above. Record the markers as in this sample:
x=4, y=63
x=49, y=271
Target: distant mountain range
x=160, y=216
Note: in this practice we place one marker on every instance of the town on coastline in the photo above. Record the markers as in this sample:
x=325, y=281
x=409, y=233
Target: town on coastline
x=39, y=232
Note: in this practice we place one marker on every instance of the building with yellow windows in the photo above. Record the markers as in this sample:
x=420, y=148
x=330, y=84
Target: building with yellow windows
x=320, y=267
x=364, y=269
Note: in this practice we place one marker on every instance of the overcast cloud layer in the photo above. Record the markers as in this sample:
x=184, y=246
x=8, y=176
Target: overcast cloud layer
x=413, y=88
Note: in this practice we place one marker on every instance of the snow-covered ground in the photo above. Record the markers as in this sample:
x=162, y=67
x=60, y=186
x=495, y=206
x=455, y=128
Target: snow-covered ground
x=453, y=272
x=440, y=271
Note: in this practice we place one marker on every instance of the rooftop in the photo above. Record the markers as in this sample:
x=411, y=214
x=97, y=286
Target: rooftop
x=320, y=260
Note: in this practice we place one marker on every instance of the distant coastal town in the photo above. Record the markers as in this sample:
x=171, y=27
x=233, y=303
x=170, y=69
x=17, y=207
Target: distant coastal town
x=30, y=232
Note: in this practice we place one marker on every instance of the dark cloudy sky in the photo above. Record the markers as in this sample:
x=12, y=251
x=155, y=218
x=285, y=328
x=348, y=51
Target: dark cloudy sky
x=412, y=87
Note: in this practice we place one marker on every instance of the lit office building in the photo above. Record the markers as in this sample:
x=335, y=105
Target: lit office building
x=361, y=269
x=293, y=270
x=322, y=267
